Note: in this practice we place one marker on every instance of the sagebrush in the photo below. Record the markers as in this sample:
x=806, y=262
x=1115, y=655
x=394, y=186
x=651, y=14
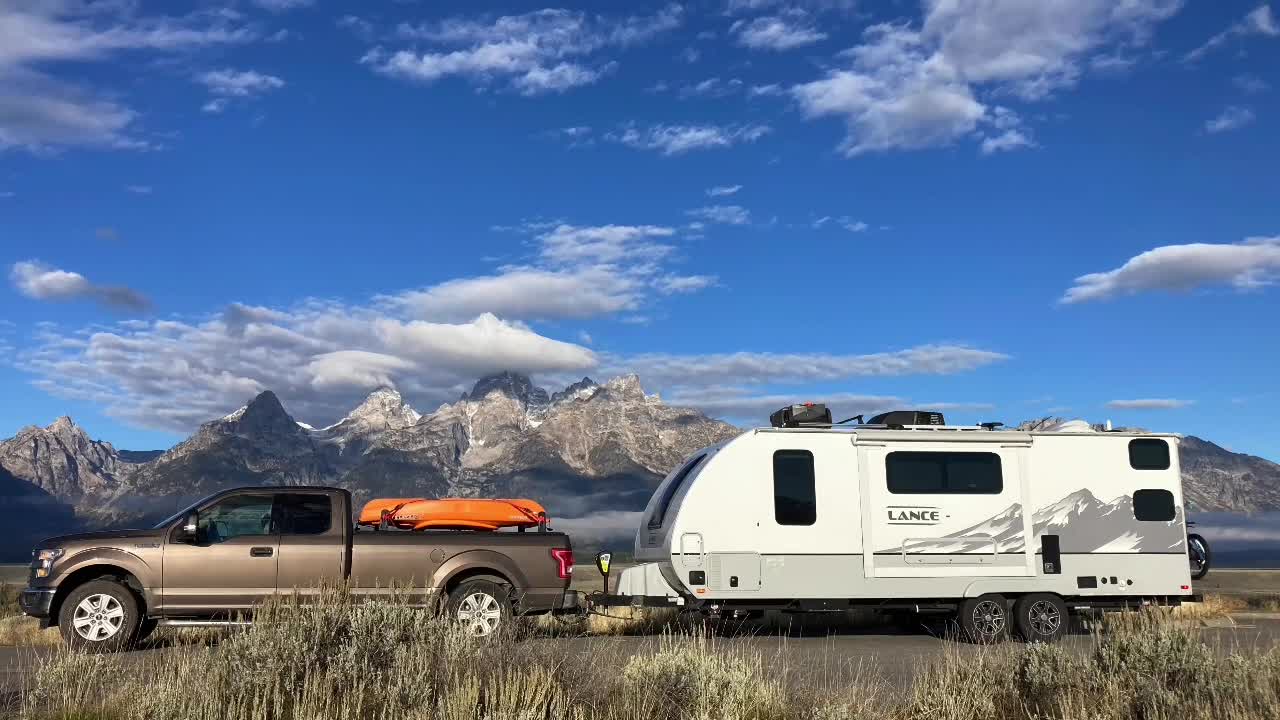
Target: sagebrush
x=336, y=658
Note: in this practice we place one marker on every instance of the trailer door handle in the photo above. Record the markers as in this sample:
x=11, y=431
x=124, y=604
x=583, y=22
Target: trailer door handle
x=261, y=552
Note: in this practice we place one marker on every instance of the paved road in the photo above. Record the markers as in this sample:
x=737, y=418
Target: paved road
x=822, y=659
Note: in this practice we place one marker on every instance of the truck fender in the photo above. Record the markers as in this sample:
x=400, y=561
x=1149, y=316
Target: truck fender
x=479, y=560
x=110, y=561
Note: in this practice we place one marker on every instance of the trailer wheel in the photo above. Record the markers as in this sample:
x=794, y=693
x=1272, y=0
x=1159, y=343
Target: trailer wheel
x=1040, y=617
x=1199, y=555
x=99, y=616
x=985, y=619
x=481, y=607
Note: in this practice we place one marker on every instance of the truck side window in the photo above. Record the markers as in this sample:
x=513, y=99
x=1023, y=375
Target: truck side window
x=237, y=516
x=660, y=512
x=944, y=473
x=307, y=514
x=1156, y=505
x=794, y=498
x=1149, y=454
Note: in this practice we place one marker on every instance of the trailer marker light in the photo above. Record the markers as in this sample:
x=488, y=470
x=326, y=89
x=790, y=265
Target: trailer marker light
x=1186, y=587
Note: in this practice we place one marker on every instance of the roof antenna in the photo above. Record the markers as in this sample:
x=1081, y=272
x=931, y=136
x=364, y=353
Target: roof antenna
x=855, y=417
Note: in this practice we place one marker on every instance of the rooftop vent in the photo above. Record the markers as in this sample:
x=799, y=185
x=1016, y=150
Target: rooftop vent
x=902, y=418
x=801, y=415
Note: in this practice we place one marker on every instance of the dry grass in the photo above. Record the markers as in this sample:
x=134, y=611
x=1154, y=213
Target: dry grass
x=340, y=659
x=22, y=630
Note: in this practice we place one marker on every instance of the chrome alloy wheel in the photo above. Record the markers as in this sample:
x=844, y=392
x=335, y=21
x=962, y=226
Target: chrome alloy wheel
x=989, y=618
x=1044, y=618
x=98, y=617
x=480, y=614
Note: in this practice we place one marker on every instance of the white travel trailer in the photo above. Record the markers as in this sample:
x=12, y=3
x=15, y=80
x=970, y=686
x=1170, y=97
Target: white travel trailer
x=1005, y=529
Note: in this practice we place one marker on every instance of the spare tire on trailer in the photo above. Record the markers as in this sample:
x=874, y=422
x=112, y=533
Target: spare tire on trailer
x=1040, y=617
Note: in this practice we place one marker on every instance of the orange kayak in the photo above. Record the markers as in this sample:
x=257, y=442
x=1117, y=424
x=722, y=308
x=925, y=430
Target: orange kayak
x=452, y=513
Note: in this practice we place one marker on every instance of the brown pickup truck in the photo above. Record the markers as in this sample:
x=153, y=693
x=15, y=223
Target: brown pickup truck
x=215, y=560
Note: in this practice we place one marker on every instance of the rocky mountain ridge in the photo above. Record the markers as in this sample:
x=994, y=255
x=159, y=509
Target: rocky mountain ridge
x=584, y=448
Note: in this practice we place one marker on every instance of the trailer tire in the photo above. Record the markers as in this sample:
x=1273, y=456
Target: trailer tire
x=99, y=616
x=481, y=607
x=1040, y=617
x=1195, y=541
x=984, y=620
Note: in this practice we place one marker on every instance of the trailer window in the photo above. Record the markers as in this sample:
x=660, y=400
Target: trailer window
x=1149, y=454
x=794, y=499
x=1155, y=505
x=660, y=512
x=942, y=473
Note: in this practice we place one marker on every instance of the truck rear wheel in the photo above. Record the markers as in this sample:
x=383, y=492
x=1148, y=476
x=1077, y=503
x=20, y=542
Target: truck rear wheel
x=985, y=619
x=481, y=607
x=99, y=616
x=1040, y=617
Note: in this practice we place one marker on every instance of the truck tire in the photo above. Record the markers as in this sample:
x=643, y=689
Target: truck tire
x=984, y=619
x=481, y=607
x=99, y=616
x=1040, y=617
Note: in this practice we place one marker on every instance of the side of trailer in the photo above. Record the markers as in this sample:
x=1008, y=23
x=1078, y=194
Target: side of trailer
x=821, y=519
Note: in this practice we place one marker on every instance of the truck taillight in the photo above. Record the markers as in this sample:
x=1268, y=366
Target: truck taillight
x=564, y=563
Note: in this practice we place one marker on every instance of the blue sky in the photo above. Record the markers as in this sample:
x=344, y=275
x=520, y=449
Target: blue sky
x=1001, y=209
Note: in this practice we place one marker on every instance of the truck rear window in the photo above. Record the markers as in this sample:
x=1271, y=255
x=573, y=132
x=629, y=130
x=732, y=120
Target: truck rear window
x=660, y=512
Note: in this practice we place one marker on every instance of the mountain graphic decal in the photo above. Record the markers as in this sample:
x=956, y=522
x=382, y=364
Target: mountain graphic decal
x=1082, y=522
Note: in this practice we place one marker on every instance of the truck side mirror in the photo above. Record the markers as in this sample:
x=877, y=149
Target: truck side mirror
x=188, y=531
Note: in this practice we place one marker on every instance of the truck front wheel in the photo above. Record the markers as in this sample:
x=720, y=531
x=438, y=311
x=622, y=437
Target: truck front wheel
x=481, y=607
x=99, y=616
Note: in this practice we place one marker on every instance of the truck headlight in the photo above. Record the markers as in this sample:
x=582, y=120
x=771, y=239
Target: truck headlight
x=44, y=561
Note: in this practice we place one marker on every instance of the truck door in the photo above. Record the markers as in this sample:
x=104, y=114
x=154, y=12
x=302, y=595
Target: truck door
x=938, y=510
x=313, y=542
x=232, y=563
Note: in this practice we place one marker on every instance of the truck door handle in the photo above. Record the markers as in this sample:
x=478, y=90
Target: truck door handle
x=261, y=552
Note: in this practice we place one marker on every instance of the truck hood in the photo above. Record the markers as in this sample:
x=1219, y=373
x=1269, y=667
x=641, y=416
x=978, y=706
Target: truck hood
x=89, y=538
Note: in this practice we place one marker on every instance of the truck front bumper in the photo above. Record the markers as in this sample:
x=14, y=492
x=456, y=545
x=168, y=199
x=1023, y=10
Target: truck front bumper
x=36, y=602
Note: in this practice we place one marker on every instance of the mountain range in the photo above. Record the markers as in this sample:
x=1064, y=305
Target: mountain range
x=586, y=448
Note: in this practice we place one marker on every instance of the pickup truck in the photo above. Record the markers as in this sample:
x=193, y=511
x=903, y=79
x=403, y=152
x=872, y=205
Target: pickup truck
x=213, y=562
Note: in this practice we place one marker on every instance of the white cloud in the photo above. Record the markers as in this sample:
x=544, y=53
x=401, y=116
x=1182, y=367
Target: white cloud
x=856, y=226
x=907, y=88
x=1250, y=83
x=139, y=189
x=42, y=282
x=1247, y=265
x=683, y=284
x=577, y=272
x=1232, y=117
x=777, y=32
x=759, y=368
x=722, y=214
x=41, y=113
x=238, y=83
x=283, y=5
x=894, y=96
x=723, y=190
x=321, y=358
x=712, y=87
x=550, y=50
x=1259, y=21
x=1148, y=404
x=1007, y=140
x=679, y=139
x=227, y=84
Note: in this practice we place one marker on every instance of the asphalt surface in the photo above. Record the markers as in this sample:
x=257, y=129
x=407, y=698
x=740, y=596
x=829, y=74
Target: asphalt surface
x=893, y=656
